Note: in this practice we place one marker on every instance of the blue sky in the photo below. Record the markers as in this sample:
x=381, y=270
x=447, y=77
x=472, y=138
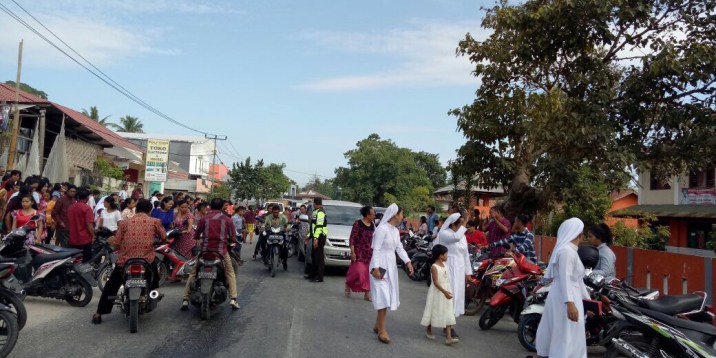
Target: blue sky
x=294, y=82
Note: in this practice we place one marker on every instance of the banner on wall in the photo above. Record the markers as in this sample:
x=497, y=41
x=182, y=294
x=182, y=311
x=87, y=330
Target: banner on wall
x=698, y=196
x=157, y=160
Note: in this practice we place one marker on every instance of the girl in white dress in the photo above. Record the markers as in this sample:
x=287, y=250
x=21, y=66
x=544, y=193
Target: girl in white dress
x=439, y=311
x=384, y=269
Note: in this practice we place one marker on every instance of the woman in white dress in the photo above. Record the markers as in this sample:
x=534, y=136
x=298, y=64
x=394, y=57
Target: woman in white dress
x=384, y=269
x=561, y=330
x=452, y=236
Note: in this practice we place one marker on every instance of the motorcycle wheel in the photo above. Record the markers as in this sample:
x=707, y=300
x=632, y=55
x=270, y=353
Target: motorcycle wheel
x=205, y=307
x=10, y=299
x=527, y=331
x=133, y=316
x=9, y=331
x=104, y=272
x=491, y=316
x=85, y=295
x=640, y=342
x=475, y=303
x=163, y=269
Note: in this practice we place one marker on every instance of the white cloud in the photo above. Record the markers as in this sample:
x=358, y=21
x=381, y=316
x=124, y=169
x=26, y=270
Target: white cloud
x=424, y=55
x=102, y=44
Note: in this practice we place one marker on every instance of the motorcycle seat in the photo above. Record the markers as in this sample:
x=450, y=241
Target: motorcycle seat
x=673, y=305
x=53, y=247
x=703, y=328
x=41, y=259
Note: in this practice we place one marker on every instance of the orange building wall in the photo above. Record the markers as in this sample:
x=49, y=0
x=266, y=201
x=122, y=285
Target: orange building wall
x=625, y=202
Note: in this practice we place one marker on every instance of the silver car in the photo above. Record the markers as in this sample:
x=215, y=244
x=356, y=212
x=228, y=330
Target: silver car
x=340, y=216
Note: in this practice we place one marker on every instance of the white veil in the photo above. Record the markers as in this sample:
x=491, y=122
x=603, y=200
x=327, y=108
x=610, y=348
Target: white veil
x=391, y=211
x=568, y=231
x=450, y=220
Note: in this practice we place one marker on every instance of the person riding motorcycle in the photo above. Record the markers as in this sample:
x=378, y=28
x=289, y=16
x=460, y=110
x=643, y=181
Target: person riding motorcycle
x=274, y=220
x=217, y=231
x=134, y=239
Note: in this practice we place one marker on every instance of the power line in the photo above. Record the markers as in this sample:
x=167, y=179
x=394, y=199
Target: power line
x=109, y=81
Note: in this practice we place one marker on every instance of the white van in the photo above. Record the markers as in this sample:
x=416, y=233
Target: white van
x=340, y=216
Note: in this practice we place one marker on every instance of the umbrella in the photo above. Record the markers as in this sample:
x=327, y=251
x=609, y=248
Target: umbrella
x=56, y=166
x=33, y=161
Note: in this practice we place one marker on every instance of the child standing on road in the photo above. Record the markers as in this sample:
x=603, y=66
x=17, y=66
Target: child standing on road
x=439, y=311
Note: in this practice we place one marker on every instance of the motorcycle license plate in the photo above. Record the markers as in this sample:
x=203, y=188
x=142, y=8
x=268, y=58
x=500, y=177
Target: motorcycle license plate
x=206, y=274
x=135, y=283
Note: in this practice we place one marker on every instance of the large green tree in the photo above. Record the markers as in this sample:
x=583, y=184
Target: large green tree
x=29, y=89
x=129, y=124
x=326, y=187
x=244, y=179
x=273, y=183
x=379, y=172
x=607, y=85
x=94, y=114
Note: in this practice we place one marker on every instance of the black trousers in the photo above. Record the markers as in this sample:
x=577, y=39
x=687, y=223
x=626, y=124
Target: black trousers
x=318, y=266
x=260, y=245
x=116, y=279
x=86, y=251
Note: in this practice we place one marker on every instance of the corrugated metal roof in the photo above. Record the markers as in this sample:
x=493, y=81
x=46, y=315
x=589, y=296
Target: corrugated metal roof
x=668, y=211
x=102, y=131
x=7, y=93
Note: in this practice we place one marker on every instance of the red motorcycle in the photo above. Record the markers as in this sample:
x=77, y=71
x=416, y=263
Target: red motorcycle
x=169, y=259
x=515, y=283
x=479, y=290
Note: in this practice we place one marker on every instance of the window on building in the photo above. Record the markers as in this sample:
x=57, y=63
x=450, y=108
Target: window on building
x=658, y=184
x=702, y=178
x=698, y=235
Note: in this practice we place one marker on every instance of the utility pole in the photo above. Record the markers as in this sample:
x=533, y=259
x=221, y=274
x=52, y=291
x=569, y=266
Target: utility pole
x=214, y=137
x=16, y=120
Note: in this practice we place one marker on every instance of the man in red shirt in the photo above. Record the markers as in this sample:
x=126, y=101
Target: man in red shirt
x=80, y=219
x=474, y=236
x=215, y=230
x=59, y=215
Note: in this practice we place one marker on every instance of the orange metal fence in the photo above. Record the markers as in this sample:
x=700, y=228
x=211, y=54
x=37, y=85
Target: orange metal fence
x=670, y=273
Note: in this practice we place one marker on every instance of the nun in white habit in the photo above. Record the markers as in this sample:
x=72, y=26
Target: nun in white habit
x=561, y=330
x=384, y=290
x=452, y=236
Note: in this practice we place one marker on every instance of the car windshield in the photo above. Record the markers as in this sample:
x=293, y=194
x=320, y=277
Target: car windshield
x=341, y=215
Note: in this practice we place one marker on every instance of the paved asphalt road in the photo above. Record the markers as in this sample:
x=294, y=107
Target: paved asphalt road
x=284, y=316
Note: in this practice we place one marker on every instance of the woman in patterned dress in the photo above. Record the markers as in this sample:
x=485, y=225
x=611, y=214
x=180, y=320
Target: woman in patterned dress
x=358, y=277
x=184, y=221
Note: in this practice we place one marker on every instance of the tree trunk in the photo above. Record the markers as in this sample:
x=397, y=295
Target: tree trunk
x=522, y=197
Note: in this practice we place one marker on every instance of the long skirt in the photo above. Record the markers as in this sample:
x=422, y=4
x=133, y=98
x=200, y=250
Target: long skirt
x=358, y=278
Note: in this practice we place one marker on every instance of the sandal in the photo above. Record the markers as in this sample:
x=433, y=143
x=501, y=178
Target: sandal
x=97, y=318
x=383, y=337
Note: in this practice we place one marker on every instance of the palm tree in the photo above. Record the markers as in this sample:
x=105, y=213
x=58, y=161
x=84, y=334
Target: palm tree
x=129, y=124
x=94, y=114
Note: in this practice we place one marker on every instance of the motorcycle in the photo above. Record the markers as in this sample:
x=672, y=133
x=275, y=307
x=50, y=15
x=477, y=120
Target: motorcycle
x=479, y=289
x=513, y=287
x=275, y=242
x=9, y=330
x=8, y=296
x=421, y=264
x=600, y=321
x=210, y=287
x=103, y=257
x=647, y=334
x=135, y=297
x=169, y=259
x=57, y=273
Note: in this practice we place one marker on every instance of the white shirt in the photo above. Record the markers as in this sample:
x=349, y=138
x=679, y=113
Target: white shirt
x=123, y=194
x=110, y=220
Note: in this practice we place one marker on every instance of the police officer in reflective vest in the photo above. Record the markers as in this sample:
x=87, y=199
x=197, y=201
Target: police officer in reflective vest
x=319, y=232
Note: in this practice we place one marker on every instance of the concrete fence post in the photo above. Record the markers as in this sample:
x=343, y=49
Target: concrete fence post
x=709, y=279
x=630, y=266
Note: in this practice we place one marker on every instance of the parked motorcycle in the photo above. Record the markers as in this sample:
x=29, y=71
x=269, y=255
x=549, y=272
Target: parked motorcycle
x=103, y=257
x=9, y=330
x=8, y=296
x=479, y=288
x=647, y=333
x=421, y=264
x=57, y=273
x=513, y=287
x=210, y=287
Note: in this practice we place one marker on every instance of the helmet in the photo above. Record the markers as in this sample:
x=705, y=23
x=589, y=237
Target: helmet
x=589, y=255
